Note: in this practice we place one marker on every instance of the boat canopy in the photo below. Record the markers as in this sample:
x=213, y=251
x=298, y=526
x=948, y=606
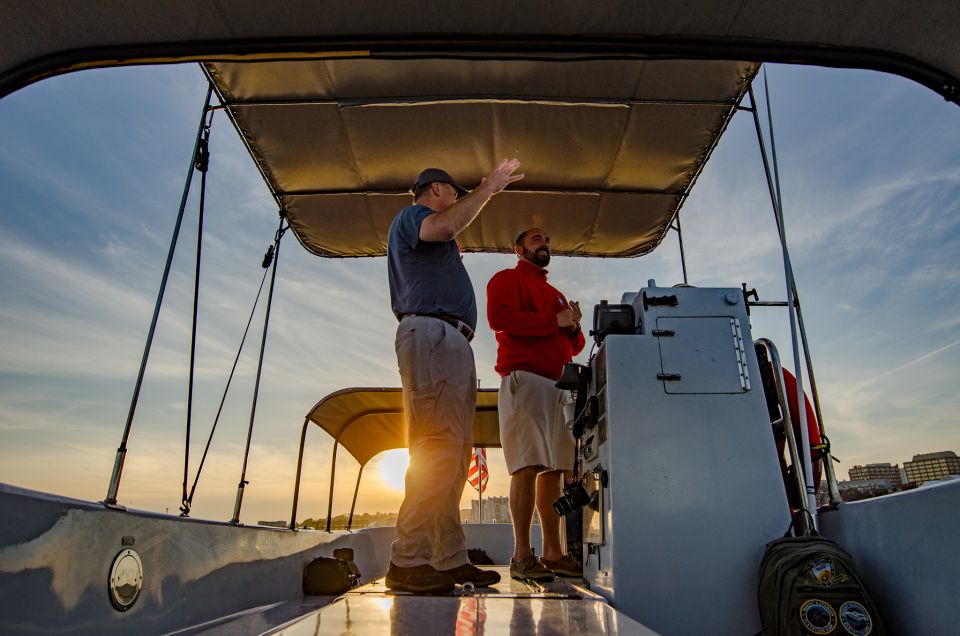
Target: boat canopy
x=914, y=39
x=368, y=421
x=613, y=107
x=610, y=148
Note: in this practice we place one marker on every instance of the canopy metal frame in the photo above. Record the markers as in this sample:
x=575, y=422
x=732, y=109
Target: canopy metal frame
x=395, y=409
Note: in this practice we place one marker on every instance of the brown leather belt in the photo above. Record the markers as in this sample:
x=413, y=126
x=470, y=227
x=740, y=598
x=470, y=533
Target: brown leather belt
x=457, y=324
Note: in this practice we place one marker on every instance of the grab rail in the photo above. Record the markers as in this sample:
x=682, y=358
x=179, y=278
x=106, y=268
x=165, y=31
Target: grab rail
x=773, y=359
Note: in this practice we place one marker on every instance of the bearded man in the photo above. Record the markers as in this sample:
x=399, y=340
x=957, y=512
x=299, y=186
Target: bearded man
x=537, y=332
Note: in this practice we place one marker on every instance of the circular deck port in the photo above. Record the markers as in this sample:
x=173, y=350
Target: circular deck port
x=126, y=578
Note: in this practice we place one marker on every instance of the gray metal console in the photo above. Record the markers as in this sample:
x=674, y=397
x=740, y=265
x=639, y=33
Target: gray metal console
x=683, y=458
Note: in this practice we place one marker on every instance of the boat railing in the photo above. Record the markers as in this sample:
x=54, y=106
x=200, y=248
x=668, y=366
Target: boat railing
x=767, y=354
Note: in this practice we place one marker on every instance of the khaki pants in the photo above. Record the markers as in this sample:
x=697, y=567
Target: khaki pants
x=439, y=398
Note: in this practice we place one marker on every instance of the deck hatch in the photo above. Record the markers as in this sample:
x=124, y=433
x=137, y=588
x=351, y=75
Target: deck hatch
x=703, y=354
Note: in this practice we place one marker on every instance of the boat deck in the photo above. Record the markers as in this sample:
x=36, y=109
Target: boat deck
x=509, y=607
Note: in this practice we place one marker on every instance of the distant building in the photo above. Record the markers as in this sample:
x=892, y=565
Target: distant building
x=855, y=490
x=877, y=471
x=495, y=510
x=932, y=466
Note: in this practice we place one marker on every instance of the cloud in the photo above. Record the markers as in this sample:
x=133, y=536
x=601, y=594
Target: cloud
x=872, y=223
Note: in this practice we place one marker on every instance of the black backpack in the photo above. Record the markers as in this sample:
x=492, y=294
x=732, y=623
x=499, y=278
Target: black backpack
x=336, y=575
x=809, y=585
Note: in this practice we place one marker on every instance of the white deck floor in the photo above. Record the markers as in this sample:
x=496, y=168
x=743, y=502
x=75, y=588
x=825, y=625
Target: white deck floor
x=510, y=607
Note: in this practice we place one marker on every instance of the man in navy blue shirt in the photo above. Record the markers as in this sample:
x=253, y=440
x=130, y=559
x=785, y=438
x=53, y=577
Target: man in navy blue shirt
x=433, y=299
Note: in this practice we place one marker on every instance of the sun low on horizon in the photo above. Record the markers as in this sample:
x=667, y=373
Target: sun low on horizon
x=391, y=467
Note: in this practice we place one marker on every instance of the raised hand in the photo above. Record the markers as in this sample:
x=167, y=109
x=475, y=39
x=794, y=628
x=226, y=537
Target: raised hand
x=502, y=176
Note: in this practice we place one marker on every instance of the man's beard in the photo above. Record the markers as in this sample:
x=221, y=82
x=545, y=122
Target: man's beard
x=540, y=258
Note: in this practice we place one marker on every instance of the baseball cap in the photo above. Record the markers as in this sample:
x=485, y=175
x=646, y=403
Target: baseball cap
x=431, y=175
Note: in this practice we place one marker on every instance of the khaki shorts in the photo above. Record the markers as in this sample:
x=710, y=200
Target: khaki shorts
x=533, y=430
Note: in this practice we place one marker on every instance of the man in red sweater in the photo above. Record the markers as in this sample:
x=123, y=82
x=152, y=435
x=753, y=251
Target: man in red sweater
x=538, y=332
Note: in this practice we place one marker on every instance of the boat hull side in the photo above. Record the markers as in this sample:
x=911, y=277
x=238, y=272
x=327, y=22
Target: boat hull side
x=906, y=549
x=56, y=556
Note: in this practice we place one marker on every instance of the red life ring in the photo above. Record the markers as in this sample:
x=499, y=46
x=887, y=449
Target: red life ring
x=813, y=430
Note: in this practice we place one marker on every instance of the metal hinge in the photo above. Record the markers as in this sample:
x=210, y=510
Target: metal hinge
x=741, y=354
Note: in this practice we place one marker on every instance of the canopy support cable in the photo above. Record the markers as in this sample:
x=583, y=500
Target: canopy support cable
x=808, y=501
x=114, y=487
x=202, y=164
x=263, y=346
x=267, y=260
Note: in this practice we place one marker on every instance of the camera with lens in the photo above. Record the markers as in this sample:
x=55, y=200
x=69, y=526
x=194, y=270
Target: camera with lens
x=573, y=498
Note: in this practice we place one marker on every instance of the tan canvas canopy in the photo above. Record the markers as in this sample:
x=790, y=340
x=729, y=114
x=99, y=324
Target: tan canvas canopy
x=368, y=421
x=915, y=39
x=610, y=148
x=613, y=107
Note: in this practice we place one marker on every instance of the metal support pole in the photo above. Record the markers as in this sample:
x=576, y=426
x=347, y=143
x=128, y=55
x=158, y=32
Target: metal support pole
x=829, y=471
x=256, y=385
x=114, y=487
x=296, y=483
x=832, y=486
x=790, y=285
x=354, y=504
x=683, y=258
x=333, y=474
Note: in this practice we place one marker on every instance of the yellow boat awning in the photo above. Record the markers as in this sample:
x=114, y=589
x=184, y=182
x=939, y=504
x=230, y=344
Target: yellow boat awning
x=368, y=421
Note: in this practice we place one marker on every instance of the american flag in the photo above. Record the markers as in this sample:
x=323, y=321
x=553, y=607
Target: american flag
x=477, y=475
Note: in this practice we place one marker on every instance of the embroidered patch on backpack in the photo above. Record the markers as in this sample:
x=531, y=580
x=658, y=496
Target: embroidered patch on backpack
x=855, y=619
x=818, y=617
x=823, y=571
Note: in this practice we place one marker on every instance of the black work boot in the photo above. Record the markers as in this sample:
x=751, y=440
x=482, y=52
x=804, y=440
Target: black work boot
x=469, y=573
x=422, y=579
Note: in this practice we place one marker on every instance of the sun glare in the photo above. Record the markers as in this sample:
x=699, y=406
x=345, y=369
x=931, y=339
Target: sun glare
x=392, y=466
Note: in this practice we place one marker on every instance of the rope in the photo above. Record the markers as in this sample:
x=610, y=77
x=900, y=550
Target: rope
x=263, y=345
x=201, y=164
x=268, y=258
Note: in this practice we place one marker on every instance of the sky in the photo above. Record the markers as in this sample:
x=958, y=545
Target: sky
x=91, y=176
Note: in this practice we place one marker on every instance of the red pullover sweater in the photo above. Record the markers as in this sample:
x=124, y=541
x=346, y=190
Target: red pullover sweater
x=522, y=310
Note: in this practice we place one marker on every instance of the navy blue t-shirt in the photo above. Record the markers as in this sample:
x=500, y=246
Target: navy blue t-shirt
x=426, y=277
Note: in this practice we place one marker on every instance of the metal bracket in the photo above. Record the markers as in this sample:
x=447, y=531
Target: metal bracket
x=653, y=301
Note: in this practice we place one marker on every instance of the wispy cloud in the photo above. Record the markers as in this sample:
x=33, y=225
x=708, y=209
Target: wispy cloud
x=907, y=365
